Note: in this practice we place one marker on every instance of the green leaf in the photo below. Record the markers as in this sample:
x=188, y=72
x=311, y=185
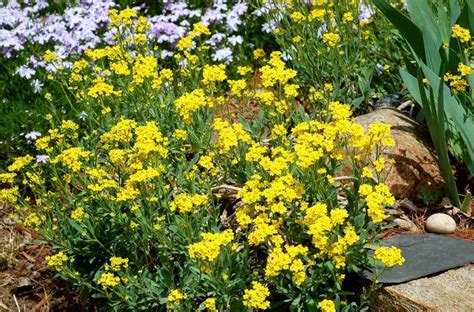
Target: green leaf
x=407, y=28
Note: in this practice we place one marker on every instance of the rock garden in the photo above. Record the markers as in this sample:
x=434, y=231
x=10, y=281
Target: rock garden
x=218, y=155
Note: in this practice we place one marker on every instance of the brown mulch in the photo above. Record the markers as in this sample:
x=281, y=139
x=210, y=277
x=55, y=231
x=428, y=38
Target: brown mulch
x=26, y=284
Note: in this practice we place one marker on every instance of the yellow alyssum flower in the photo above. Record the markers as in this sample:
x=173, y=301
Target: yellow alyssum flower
x=244, y=70
x=464, y=70
x=214, y=73
x=256, y=297
x=230, y=135
x=56, y=261
x=258, y=54
x=348, y=17
x=210, y=246
x=461, y=33
x=317, y=14
x=20, y=163
x=206, y=162
x=210, y=304
x=190, y=102
x=199, y=29
x=389, y=256
x=185, y=43
x=297, y=16
x=124, y=17
x=376, y=198
x=237, y=87
x=327, y=306
x=175, y=297
x=180, y=134
x=291, y=90
x=49, y=56
x=79, y=214
x=184, y=203
x=72, y=158
x=275, y=71
x=331, y=39
x=116, y=263
x=102, y=89
x=108, y=280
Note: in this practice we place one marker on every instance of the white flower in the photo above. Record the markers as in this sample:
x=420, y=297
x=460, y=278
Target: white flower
x=83, y=115
x=33, y=135
x=42, y=158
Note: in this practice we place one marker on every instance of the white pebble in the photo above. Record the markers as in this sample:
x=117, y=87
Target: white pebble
x=440, y=223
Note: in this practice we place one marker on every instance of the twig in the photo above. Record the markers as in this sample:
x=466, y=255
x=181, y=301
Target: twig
x=405, y=105
x=342, y=178
x=16, y=302
x=227, y=187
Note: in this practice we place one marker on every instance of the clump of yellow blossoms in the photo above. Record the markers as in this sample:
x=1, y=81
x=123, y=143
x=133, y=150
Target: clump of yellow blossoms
x=462, y=34
x=56, y=261
x=256, y=297
x=138, y=194
x=108, y=280
x=184, y=203
x=389, y=256
x=327, y=306
x=175, y=297
x=210, y=246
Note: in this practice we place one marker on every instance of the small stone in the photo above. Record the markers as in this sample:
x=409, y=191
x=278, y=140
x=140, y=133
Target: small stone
x=440, y=223
x=406, y=225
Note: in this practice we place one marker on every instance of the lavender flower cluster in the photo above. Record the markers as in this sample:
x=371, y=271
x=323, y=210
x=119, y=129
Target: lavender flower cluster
x=25, y=27
x=223, y=17
x=28, y=27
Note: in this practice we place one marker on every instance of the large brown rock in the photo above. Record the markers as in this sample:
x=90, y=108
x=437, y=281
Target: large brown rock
x=415, y=160
x=451, y=291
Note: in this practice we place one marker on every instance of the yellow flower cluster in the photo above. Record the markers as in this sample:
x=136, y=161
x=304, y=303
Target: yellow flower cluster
x=20, y=163
x=56, y=261
x=275, y=71
x=108, y=280
x=280, y=260
x=72, y=158
x=210, y=246
x=184, y=203
x=461, y=33
x=116, y=263
x=190, y=102
x=331, y=39
x=389, y=256
x=327, y=306
x=79, y=214
x=256, y=297
x=376, y=197
x=229, y=135
x=213, y=73
x=124, y=17
x=175, y=297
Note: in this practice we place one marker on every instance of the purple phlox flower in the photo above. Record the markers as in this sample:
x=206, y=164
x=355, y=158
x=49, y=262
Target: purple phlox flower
x=42, y=158
x=33, y=135
x=165, y=54
x=235, y=40
x=37, y=86
x=83, y=115
x=215, y=39
x=366, y=12
x=223, y=55
x=25, y=72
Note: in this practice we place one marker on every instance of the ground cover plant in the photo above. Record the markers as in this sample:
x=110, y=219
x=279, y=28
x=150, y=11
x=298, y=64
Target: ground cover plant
x=127, y=190
x=345, y=43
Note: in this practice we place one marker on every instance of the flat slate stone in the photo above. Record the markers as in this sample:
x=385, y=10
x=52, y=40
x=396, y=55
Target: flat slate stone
x=425, y=254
